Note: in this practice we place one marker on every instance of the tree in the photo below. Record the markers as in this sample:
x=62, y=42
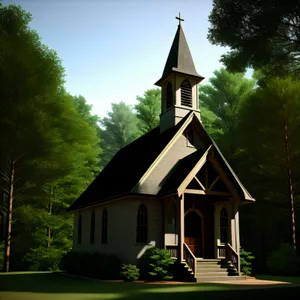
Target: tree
x=269, y=135
x=70, y=169
x=119, y=129
x=85, y=113
x=25, y=88
x=260, y=34
x=222, y=98
x=208, y=119
x=148, y=110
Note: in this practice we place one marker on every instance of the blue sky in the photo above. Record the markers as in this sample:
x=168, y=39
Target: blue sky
x=114, y=50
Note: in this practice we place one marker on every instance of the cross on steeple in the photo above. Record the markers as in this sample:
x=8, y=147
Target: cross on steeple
x=179, y=19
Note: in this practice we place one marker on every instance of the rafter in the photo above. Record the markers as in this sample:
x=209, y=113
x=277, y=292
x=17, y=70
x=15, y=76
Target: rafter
x=212, y=193
x=212, y=185
x=202, y=186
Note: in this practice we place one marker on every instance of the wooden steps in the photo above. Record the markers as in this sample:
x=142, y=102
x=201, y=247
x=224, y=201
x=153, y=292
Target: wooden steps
x=208, y=270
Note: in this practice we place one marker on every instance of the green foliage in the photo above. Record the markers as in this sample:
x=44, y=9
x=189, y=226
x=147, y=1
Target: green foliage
x=259, y=34
x=155, y=264
x=44, y=259
x=130, y=272
x=245, y=262
x=148, y=110
x=220, y=102
x=93, y=265
x=283, y=261
x=119, y=129
x=208, y=119
x=50, y=135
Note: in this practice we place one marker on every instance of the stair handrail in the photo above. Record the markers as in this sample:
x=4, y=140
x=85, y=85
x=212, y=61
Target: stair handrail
x=232, y=256
x=189, y=257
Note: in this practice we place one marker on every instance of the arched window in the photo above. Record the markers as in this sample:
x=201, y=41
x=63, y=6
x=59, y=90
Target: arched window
x=186, y=93
x=169, y=95
x=104, y=227
x=224, y=226
x=172, y=219
x=92, y=231
x=142, y=225
x=79, y=232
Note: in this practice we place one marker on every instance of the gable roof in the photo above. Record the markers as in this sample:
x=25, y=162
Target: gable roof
x=180, y=59
x=134, y=159
x=138, y=158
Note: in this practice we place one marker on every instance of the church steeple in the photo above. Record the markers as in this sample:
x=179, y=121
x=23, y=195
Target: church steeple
x=179, y=82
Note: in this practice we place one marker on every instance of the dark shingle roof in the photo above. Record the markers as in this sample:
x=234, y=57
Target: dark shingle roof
x=180, y=59
x=180, y=172
x=126, y=168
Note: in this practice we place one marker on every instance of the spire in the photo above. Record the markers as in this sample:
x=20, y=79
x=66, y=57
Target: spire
x=180, y=59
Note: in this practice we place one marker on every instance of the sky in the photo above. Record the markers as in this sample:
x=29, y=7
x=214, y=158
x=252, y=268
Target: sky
x=115, y=50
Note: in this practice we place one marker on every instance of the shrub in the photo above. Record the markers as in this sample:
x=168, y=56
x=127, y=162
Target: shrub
x=283, y=261
x=93, y=265
x=246, y=265
x=156, y=264
x=130, y=272
x=43, y=259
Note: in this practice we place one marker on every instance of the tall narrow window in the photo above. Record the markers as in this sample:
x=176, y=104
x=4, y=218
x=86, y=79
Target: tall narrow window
x=186, y=93
x=169, y=96
x=92, y=231
x=104, y=227
x=224, y=226
x=79, y=233
x=142, y=225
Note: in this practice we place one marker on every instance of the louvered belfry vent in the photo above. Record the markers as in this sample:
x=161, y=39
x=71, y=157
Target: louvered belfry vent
x=186, y=93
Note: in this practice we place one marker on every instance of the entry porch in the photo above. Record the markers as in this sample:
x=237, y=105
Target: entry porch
x=201, y=221
x=199, y=227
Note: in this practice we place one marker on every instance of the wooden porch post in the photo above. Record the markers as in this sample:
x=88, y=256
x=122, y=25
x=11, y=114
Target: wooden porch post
x=181, y=227
x=237, y=233
x=233, y=226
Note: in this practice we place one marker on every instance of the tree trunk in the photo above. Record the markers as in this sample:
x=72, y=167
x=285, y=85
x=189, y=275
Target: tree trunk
x=290, y=185
x=50, y=212
x=9, y=216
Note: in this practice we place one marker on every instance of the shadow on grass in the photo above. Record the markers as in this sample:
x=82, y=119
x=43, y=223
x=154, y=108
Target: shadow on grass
x=50, y=283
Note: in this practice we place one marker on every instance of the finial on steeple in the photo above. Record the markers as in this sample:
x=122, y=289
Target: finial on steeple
x=179, y=19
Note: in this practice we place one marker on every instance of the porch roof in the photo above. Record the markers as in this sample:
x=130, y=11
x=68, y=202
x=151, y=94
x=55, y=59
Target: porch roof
x=185, y=166
x=180, y=171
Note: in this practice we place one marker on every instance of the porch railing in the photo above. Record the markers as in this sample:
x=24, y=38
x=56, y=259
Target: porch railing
x=221, y=251
x=189, y=257
x=231, y=256
x=173, y=250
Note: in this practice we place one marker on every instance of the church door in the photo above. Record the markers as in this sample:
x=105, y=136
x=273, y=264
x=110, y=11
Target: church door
x=193, y=233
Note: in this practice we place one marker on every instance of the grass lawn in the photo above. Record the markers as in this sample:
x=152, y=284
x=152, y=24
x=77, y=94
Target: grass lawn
x=46, y=286
x=294, y=280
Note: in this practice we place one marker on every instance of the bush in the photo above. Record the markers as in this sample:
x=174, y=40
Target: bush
x=130, y=272
x=156, y=264
x=43, y=259
x=245, y=261
x=283, y=261
x=93, y=265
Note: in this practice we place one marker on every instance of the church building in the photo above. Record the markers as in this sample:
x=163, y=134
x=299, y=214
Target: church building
x=171, y=188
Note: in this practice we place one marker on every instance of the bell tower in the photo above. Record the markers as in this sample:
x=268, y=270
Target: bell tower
x=179, y=83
